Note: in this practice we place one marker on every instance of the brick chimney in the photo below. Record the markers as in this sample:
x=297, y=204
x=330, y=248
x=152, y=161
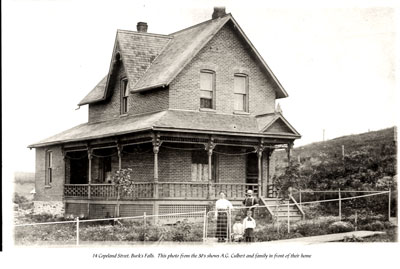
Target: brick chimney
x=218, y=12
x=141, y=27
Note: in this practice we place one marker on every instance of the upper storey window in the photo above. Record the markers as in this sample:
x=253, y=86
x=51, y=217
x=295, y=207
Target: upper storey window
x=207, y=89
x=241, y=93
x=124, y=96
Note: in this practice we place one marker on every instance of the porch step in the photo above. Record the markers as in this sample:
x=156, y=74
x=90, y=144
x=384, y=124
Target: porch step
x=280, y=210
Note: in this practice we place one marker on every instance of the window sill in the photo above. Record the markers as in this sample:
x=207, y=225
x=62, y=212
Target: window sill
x=241, y=113
x=207, y=110
x=123, y=115
x=47, y=186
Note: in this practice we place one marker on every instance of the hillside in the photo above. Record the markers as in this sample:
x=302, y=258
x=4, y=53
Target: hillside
x=373, y=153
x=376, y=140
x=24, y=183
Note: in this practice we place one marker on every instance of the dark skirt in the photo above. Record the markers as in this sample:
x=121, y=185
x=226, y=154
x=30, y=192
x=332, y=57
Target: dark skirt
x=222, y=225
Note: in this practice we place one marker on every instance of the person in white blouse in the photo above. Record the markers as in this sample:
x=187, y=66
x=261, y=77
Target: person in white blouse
x=223, y=211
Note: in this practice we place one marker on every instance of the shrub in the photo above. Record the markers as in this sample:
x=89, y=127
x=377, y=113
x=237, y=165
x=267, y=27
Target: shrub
x=377, y=226
x=353, y=239
x=20, y=199
x=340, y=227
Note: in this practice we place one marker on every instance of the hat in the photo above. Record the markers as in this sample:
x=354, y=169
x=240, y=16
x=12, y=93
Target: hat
x=249, y=192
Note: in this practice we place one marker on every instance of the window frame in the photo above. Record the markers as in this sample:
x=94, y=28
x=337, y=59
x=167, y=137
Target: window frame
x=245, y=95
x=213, y=86
x=124, y=97
x=49, y=168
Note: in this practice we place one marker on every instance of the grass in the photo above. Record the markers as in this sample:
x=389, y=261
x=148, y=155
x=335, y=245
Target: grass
x=129, y=231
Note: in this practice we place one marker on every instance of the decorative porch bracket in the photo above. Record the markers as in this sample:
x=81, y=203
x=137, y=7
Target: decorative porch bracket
x=209, y=147
x=156, y=148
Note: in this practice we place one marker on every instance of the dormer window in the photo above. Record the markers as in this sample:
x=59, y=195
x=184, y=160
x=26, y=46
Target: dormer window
x=241, y=93
x=207, y=89
x=124, y=96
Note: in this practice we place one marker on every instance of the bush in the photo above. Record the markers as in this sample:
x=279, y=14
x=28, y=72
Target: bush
x=353, y=239
x=340, y=227
x=19, y=199
x=377, y=226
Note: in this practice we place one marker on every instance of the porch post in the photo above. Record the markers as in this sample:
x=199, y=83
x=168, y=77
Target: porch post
x=210, y=147
x=156, y=148
x=90, y=171
x=267, y=183
x=260, y=150
x=119, y=148
x=289, y=146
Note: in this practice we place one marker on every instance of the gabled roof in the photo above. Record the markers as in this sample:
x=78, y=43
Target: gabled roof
x=184, y=46
x=170, y=120
x=275, y=123
x=95, y=95
x=137, y=51
x=153, y=61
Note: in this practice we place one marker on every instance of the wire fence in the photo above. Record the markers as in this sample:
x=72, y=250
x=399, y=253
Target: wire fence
x=200, y=226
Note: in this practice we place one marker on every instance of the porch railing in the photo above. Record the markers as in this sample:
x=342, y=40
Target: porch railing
x=178, y=190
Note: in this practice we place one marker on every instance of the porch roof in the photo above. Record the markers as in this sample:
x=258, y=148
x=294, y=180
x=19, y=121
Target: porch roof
x=169, y=120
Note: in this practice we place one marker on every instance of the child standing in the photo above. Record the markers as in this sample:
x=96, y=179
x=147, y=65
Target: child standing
x=249, y=224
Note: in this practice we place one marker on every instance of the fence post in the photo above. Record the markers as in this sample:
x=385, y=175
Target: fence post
x=288, y=216
x=355, y=221
x=144, y=220
x=77, y=231
x=390, y=190
x=204, y=225
x=229, y=222
x=301, y=206
x=340, y=206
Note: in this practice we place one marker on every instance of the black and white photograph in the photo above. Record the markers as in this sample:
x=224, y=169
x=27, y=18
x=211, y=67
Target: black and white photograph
x=250, y=133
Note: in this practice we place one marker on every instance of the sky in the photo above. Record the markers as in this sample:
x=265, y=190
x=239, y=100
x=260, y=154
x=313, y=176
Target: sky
x=336, y=61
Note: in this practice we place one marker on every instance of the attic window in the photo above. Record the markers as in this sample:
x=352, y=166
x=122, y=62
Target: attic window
x=124, y=96
x=207, y=89
x=241, y=92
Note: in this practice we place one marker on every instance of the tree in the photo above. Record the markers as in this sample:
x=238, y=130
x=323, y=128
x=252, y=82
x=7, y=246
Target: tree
x=291, y=178
x=123, y=183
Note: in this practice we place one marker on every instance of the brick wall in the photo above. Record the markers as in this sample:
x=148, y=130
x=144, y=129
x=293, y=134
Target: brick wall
x=141, y=164
x=226, y=55
x=232, y=168
x=174, y=165
x=154, y=100
x=54, y=192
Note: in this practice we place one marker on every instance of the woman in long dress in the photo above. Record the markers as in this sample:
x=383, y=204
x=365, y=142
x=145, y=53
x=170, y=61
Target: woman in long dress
x=223, y=211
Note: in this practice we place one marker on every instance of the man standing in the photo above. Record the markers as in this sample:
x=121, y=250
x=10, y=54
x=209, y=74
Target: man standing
x=250, y=202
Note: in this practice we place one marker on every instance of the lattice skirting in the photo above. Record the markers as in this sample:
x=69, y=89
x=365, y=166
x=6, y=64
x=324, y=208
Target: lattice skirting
x=76, y=209
x=179, y=209
x=126, y=210
x=164, y=213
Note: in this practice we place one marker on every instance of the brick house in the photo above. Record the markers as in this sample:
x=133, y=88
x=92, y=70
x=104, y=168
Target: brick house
x=191, y=113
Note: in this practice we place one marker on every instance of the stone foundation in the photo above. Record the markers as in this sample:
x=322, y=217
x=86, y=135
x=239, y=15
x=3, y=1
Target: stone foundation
x=49, y=207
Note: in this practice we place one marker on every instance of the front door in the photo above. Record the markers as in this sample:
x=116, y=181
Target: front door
x=252, y=171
